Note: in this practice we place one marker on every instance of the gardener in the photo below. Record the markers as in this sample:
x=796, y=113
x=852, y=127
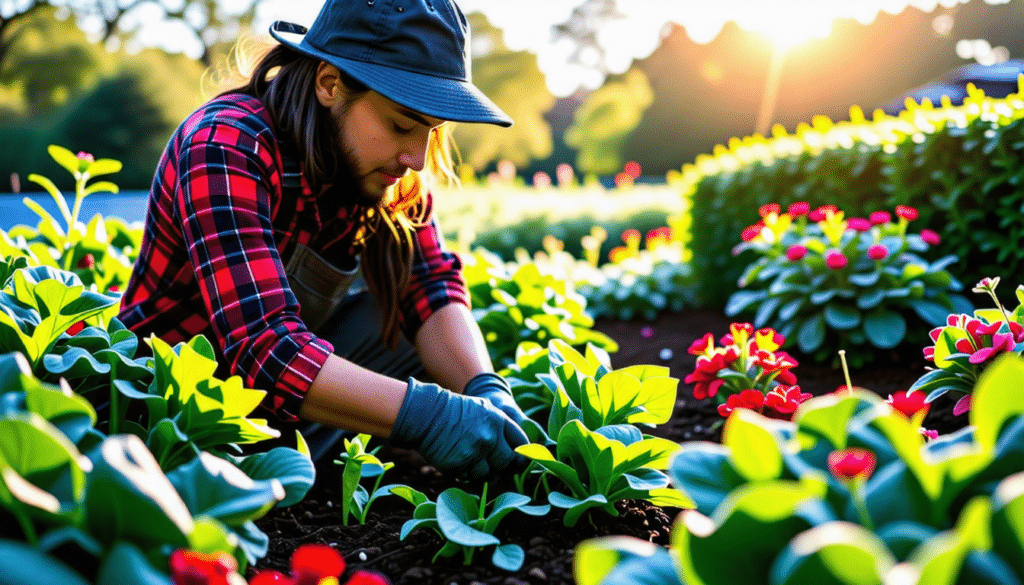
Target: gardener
x=273, y=202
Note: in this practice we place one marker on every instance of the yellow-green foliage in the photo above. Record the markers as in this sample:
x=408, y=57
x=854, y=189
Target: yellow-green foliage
x=605, y=119
x=961, y=166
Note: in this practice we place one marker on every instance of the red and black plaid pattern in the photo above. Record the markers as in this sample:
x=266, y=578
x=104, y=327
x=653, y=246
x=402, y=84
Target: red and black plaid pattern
x=226, y=204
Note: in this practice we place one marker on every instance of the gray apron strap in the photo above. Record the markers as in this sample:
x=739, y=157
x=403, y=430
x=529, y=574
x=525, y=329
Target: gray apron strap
x=319, y=286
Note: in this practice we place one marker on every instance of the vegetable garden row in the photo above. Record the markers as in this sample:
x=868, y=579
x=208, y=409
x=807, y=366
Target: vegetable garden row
x=121, y=462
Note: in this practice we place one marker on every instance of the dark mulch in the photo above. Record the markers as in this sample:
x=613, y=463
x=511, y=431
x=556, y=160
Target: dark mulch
x=548, y=544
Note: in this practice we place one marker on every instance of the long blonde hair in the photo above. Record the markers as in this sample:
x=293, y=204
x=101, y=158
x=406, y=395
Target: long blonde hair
x=283, y=79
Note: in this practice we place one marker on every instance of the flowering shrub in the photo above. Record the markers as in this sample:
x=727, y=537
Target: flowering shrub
x=966, y=345
x=747, y=371
x=827, y=281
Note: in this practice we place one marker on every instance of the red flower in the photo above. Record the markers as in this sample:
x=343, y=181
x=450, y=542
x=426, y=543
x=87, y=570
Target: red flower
x=785, y=399
x=87, y=261
x=632, y=168
x=311, y=564
x=835, y=260
x=770, y=208
x=271, y=577
x=366, y=578
x=631, y=235
x=703, y=345
x=858, y=224
x=852, y=462
x=769, y=337
x=189, y=567
x=880, y=217
x=750, y=399
x=909, y=404
x=752, y=231
x=930, y=237
x=798, y=208
x=76, y=328
x=774, y=361
x=796, y=252
x=705, y=375
x=822, y=212
x=906, y=212
x=878, y=252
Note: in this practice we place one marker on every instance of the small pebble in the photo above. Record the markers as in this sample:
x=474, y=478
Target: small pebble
x=308, y=514
x=362, y=556
x=665, y=354
x=537, y=541
x=330, y=504
x=538, y=573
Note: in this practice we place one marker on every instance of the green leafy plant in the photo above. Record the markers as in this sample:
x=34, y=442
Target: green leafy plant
x=826, y=281
x=358, y=463
x=957, y=164
x=102, y=251
x=966, y=345
x=469, y=522
x=848, y=492
x=601, y=467
x=526, y=305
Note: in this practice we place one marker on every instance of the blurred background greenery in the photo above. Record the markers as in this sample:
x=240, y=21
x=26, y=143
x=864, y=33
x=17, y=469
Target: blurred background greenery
x=104, y=92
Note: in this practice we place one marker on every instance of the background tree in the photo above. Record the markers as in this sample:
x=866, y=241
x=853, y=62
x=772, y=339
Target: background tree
x=605, y=119
x=513, y=81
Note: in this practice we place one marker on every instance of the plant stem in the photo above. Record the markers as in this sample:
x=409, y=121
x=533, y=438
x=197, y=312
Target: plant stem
x=862, y=507
x=115, y=411
x=846, y=371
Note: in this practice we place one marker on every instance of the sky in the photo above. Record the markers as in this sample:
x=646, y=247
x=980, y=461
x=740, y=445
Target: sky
x=527, y=25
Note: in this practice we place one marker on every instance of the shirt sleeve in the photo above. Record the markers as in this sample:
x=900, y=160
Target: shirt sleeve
x=436, y=279
x=226, y=177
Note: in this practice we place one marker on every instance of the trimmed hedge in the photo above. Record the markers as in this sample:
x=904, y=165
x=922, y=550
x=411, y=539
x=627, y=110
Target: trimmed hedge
x=962, y=167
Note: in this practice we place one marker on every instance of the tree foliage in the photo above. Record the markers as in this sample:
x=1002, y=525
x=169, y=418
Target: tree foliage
x=513, y=81
x=603, y=122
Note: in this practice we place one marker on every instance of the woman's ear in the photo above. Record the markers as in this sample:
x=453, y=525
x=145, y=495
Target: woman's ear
x=329, y=90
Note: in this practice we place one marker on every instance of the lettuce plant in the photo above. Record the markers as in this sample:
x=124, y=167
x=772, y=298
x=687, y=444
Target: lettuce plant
x=748, y=370
x=848, y=492
x=102, y=251
x=468, y=522
x=967, y=345
x=603, y=466
x=825, y=281
x=520, y=303
x=358, y=463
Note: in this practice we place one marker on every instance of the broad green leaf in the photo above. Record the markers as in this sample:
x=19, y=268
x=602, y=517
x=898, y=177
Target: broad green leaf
x=885, y=329
x=753, y=449
x=20, y=564
x=575, y=507
x=455, y=511
x=509, y=557
x=704, y=472
x=811, y=333
x=293, y=469
x=130, y=498
x=833, y=553
x=827, y=417
x=64, y=158
x=997, y=398
x=941, y=558
x=213, y=487
x=1008, y=519
x=127, y=564
x=945, y=345
x=841, y=317
x=623, y=560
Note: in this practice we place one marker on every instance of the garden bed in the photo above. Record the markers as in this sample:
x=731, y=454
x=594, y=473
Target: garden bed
x=548, y=544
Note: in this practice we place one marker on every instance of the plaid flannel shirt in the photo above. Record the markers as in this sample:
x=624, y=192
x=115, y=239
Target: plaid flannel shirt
x=220, y=217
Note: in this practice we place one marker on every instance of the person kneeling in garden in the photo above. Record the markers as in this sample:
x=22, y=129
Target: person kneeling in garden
x=275, y=202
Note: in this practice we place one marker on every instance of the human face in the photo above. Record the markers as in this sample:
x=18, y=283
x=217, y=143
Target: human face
x=382, y=142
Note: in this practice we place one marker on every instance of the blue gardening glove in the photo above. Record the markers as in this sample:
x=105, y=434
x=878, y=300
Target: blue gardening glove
x=497, y=391
x=457, y=434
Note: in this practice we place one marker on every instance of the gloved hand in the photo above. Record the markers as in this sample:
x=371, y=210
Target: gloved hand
x=457, y=434
x=497, y=391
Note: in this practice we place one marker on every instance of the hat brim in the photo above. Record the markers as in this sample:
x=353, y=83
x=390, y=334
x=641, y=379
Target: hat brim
x=448, y=99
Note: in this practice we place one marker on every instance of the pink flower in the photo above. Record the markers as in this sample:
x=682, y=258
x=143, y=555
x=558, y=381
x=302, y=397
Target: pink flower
x=929, y=434
x=87, y=261
x=880, y=217
x=858, y=224
x=835, y=260
x=796, y=252
x=647, y=332
x=750, y=399
x=878, y=252
x=798, y=208
x=1000, y=342
x=963, y=405
x=851, y=463
x=764, y=210
x=632, y=168
x=909, y=404
x=930, y=237
x=906, y=212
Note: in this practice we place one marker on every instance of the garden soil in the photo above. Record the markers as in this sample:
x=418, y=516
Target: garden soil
x=548, y=544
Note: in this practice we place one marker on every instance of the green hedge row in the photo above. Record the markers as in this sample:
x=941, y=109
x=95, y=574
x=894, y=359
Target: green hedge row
x=962, y=167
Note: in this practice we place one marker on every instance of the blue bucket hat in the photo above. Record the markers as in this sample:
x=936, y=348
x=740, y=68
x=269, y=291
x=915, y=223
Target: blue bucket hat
x=412, y=52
